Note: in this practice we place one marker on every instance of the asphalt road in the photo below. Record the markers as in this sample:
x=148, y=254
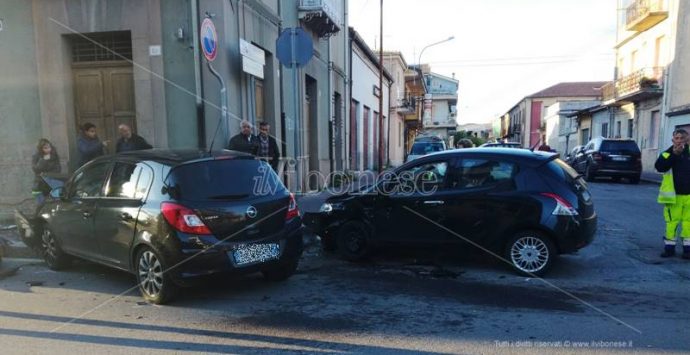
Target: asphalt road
x=616, y=296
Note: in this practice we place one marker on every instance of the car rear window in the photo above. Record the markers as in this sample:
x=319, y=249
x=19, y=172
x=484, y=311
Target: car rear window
x=622, y=147
x=224, y=179
x=426, y=148
x=562, y=170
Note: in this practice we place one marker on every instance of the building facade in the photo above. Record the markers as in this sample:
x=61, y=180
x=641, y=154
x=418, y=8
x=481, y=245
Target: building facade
x=368, y=127
x=644, y=48
x=400, y=105
x=525, y=120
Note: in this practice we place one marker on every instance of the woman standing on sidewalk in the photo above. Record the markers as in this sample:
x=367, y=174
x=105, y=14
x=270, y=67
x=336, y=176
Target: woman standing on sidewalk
x=45, y=160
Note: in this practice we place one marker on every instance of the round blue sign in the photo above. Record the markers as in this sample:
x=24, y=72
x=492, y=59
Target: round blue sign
x=209, y=39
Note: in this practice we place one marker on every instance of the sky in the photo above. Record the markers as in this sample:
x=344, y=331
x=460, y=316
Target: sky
x=503, y=50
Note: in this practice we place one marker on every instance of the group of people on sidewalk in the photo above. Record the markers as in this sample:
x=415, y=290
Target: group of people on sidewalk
x=262, y=145
x=46, y=160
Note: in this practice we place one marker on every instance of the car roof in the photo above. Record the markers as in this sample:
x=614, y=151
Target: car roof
x=173, y=157
x=523, y=156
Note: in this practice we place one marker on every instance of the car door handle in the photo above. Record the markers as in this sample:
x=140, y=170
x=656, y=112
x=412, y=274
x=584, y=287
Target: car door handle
x=126, y=216
x=433, y=203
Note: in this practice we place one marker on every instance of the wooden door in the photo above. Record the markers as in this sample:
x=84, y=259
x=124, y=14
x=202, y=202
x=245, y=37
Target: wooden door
x=104, y=96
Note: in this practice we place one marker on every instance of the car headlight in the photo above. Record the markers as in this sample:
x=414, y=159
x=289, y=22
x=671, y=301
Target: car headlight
x=330, y=207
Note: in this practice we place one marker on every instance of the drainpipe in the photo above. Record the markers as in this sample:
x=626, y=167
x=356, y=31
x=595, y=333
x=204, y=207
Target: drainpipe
x=198, y=80
x=331, y=119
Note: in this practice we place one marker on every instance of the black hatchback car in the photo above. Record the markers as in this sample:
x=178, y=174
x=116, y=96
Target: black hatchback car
x=609, y=157
x=170, y=216
x=525, y=206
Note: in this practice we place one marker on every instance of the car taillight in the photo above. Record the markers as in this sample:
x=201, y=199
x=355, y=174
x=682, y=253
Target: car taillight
x=563, y=207
x=292, y=211
x=183, y=219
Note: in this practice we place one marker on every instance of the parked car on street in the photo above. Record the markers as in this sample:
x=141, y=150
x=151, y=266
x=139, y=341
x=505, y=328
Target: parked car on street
x=525, y=206
x=610, y=157
x=426, y=145
x=501, y=145
x=169, y=216
x=571, y=157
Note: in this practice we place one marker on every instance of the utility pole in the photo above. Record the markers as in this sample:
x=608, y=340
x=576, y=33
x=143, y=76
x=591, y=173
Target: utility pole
x=380, y=120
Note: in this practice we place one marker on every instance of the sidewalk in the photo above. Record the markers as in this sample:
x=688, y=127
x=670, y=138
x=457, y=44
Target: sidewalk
x=651, y=177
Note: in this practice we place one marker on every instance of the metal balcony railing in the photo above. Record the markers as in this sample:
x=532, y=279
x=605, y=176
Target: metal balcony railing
x=643, y=79
x=608, y=91
x=323, y=16
x=643, y=14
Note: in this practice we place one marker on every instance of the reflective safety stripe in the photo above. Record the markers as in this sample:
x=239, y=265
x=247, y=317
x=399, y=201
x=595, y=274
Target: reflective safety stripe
x=669, y=242
x=667, y=192
x=686, y=241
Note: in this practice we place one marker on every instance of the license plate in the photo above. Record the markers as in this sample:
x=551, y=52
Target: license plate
x=619, y=158
x=254, y=253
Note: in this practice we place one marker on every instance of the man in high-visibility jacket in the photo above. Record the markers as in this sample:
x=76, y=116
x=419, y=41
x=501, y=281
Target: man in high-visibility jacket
x=674, y=192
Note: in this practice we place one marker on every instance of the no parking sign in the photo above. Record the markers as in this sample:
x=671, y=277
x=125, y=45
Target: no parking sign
x=209, y=39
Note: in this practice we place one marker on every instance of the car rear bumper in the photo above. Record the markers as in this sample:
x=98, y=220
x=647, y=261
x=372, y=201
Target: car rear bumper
x=575, y=233
x=208, y=255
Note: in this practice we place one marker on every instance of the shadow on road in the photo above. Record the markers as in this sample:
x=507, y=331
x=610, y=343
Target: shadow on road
x=310, y=345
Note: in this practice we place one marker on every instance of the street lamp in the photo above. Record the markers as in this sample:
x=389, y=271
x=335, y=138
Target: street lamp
x=419, y=62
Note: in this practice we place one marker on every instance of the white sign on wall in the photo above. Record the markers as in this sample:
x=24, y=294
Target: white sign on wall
x=252, y=52
x=253, y=59
x=251, y=67
x=155, y=51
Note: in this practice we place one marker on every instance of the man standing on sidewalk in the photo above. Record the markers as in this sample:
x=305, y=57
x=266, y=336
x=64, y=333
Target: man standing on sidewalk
x=674, y=192
x=244, y=141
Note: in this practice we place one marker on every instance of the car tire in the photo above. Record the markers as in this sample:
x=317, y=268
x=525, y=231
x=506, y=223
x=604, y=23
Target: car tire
x=282, y=271
x=353, y=239
x=589, y=175
x=634, y=180
x=153, y=280
x=51, y=251
x=530, y=253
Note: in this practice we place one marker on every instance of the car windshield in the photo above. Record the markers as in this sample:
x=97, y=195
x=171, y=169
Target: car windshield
x=623, y=147
x=224, y=179
x=426, y=148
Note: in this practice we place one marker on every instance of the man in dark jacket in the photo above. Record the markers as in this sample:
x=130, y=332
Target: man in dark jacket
x=130, y=141
x=268, y=148
x=89, y=145
x=674, y=192
x=245, y=141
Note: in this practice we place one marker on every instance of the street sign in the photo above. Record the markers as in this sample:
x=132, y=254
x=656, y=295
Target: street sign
x=251, y=67
x=252, y=52
x=294, y=46
x=209, y=39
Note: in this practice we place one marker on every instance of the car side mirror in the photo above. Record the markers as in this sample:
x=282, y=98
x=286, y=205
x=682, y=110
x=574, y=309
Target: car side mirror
x=58, y=193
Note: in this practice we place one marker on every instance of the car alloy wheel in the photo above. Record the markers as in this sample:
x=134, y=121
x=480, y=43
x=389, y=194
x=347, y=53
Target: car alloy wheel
x=353, y=240
x=531, y=253
x=150, y=274
x=52, y=253
x=154, y=283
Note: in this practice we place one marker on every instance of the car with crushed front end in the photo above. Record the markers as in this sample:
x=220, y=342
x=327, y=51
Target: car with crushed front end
x=172, y=216
x=523, y=206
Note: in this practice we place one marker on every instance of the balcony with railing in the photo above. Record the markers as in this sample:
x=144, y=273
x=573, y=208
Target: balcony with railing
x=324, y=17
x=644, y=14
x=641, y=85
